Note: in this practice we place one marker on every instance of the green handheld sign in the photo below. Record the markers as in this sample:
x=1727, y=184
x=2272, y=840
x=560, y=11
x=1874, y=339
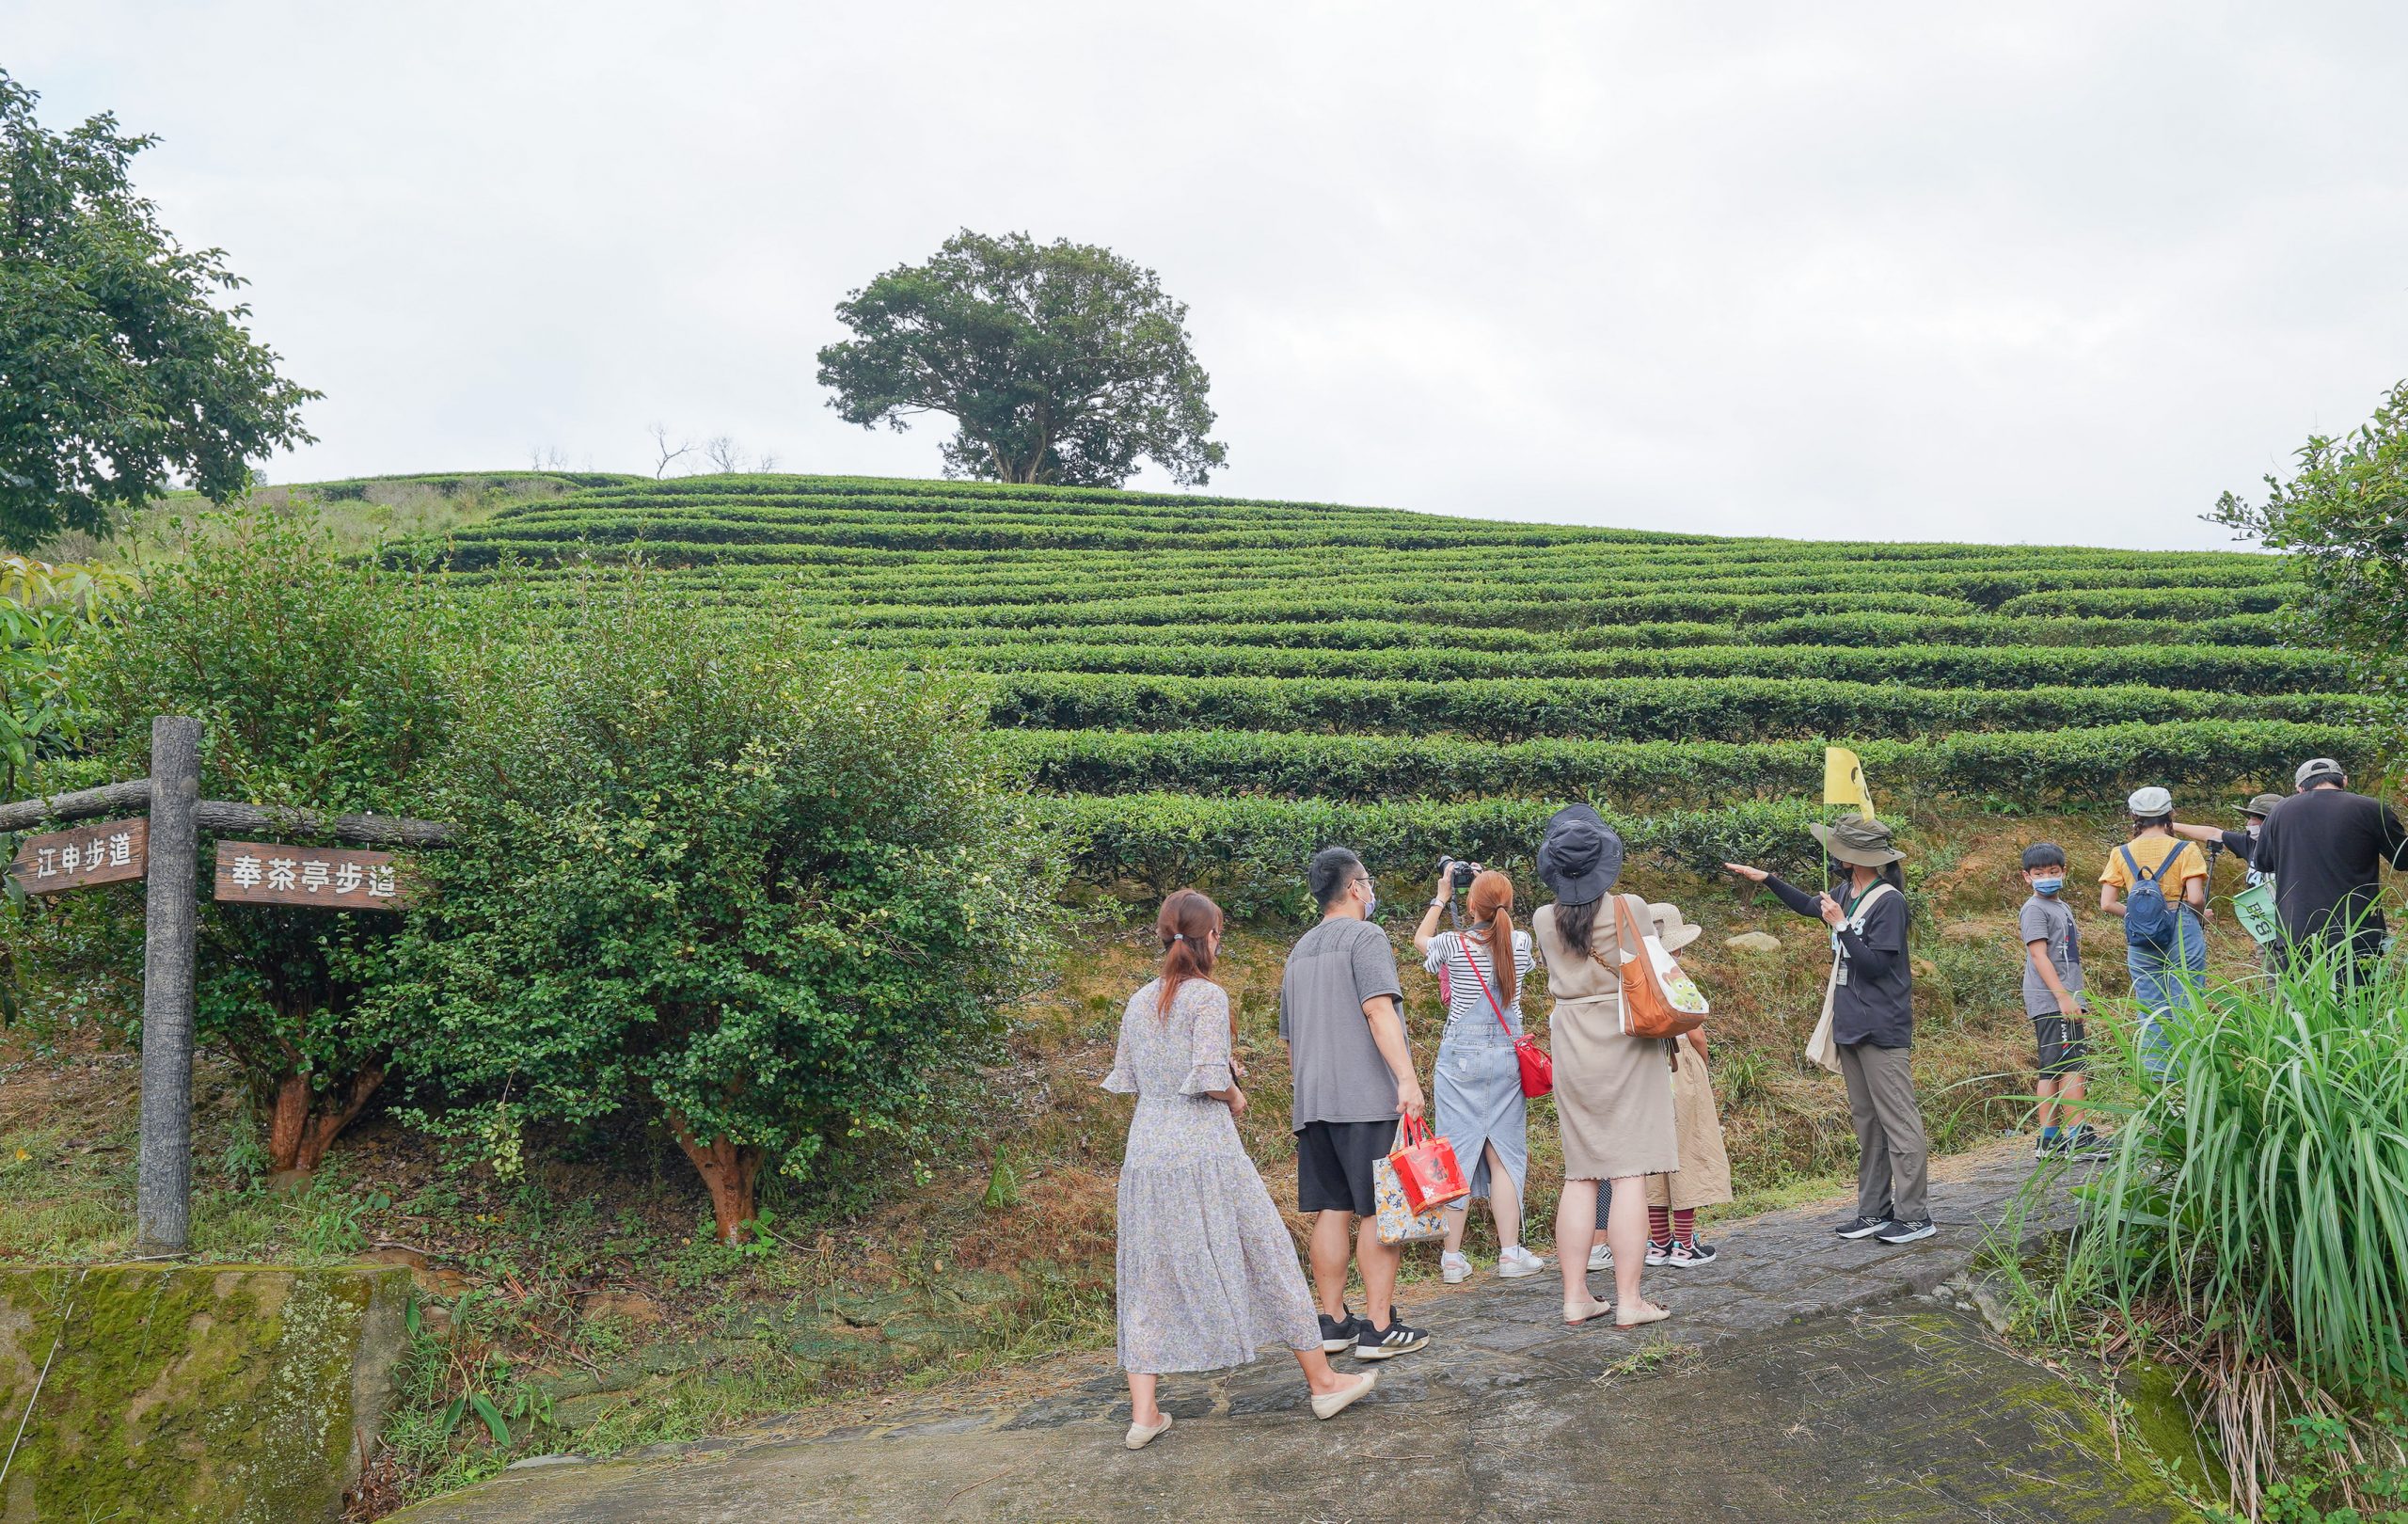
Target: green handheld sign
x=2254, y=908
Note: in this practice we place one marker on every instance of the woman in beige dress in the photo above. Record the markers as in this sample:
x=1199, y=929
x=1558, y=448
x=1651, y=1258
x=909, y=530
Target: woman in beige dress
x=1613, y=1094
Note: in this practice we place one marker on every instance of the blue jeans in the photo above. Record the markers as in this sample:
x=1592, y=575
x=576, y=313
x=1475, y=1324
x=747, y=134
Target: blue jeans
x=2166, y=982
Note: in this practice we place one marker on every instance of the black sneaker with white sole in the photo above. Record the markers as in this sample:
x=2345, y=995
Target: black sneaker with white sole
x=1375, y=1344
x=1337, y=1334
x=1862, y=1227
x=1689, y=1255
x=2087, y=1146
x=1907, y=1232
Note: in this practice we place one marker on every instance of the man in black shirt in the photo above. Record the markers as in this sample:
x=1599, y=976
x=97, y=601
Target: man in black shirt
x=2327, y=847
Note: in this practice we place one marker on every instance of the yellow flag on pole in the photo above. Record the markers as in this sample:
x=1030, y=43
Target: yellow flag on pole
x=1844, y=780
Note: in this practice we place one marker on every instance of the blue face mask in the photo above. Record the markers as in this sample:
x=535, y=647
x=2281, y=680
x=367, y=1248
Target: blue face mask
x=2048, y=886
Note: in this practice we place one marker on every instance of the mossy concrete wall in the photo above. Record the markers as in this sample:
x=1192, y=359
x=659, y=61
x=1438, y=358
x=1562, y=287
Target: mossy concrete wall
x=249, y=1393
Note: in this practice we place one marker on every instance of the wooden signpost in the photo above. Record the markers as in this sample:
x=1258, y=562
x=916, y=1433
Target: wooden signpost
x=331, y=878
x=164, y=847
x=110, y=852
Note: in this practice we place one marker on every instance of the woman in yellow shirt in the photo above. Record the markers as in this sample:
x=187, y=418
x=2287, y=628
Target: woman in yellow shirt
x=2168, y=953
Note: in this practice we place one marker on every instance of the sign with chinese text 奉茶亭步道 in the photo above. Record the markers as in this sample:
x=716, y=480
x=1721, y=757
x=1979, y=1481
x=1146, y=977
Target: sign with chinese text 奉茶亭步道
x=334, y=877
x=109, y=853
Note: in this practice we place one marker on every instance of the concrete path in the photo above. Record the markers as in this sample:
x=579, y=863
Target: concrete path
x=1801, y=1377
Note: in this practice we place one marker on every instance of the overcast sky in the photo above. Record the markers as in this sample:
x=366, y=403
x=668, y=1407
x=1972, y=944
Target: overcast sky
x=2046, y=271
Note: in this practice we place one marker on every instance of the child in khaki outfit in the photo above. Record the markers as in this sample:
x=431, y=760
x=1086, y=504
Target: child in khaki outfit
x=1704, y=1177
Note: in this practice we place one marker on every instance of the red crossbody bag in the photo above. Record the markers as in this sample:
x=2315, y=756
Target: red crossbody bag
x=1538, y=1069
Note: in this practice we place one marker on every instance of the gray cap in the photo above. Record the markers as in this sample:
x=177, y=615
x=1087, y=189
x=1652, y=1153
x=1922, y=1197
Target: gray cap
x=2315, y=768
x=2151, y=801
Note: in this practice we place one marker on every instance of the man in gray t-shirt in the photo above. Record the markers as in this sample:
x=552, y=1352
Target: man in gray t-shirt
x=1336, y=968
x=1341, y=1015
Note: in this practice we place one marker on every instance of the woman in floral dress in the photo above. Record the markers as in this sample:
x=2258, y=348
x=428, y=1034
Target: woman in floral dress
x=1208, y=1273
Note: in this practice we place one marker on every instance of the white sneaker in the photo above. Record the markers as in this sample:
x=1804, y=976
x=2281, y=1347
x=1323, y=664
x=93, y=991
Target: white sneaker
x=1601, y=1257
x=1518, y=1261
x=1453, y=1269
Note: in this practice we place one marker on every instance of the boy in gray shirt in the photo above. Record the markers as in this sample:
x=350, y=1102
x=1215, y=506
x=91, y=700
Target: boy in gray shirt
x=2053, y=987
x=1342, y=1018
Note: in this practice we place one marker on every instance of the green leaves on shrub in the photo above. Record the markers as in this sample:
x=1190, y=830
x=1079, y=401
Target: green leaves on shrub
x=763, y=892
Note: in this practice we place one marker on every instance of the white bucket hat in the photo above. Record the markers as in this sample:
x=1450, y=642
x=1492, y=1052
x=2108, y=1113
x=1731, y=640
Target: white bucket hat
x=2151, y=801
x=1670, y=929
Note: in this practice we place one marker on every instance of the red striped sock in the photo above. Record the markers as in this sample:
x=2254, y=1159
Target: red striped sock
x=1685, y=1226
x=1659, y=1225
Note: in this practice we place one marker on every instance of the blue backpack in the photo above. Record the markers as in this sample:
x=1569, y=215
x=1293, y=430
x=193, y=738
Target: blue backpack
x=2149, y=920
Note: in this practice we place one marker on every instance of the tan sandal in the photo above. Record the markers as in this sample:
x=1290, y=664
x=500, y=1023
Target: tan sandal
x=1652, y=1314
x=1575, y=1313
x=1140, y=1435
x=1329, y=1404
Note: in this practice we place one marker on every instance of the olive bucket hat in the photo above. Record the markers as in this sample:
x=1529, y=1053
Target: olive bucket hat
x=1859, y=841
x=1579, y=857
x=2262, y=804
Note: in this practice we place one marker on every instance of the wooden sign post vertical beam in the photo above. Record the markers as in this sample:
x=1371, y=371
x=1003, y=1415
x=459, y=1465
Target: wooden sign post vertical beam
x=163, y=1187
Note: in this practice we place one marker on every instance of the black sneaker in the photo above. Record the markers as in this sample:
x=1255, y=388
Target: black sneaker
x=1907, y=1232
x=2087, y=1146
x=1862, y=1227
x=1374, y=1343
x=1689, y=1255
x=1338, y=1333
x=2050, y=1148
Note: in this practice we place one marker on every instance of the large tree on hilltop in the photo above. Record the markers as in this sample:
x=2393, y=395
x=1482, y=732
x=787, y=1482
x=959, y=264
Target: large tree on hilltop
x=1059, y=363
x=116, y=370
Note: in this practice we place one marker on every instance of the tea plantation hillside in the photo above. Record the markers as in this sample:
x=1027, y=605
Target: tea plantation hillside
x=1214, y=685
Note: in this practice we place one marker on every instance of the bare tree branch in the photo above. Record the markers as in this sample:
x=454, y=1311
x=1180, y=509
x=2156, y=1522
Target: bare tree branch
x=661, y=443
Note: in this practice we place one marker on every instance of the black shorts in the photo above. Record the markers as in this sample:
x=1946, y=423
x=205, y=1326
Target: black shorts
x=1334, y=1164
x=2065, y=1044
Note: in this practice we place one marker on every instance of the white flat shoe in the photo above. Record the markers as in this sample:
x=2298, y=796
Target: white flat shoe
x=1329, y=1404
x=1140, y=1435
x=1577, y=1313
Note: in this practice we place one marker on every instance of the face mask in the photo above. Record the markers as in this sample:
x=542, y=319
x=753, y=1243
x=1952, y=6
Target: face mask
x=2253, y=828
x=2048, y=886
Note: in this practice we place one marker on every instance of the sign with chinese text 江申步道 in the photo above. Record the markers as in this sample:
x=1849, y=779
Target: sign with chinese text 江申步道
x=108, y=852
x=335, y=878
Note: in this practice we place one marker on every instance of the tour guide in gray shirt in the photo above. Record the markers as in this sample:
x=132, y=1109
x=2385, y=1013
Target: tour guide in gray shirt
x=1341, y=1016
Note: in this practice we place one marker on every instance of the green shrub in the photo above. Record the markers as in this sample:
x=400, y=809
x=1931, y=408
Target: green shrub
x=2032, y=766
x=317, y=684
x=1250, y=854
x=762, y=892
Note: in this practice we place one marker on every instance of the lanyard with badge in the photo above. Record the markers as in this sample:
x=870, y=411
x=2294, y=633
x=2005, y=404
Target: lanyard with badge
x=1847, y=918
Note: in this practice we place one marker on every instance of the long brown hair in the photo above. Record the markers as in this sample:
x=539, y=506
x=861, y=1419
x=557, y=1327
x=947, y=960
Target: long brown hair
x=1186, y=926
x=1492, y=906
x=1576, y=924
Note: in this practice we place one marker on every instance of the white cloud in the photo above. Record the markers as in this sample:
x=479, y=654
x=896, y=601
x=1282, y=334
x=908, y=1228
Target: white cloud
x=2058, y=274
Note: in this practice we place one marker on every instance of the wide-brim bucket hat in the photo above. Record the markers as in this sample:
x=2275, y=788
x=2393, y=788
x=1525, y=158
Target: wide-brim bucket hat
x=2262, y=804
x=1672, y=929
x=1865, y=843
x=1579, y=857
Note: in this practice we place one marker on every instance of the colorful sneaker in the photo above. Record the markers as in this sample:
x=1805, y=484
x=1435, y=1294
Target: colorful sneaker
x=1907, y=1232
x=1518, y=1261
x=1453, y=1269
x=1862, y=1227
x=1658, y=1253
x=1689, y=1255
x=1386, y=1344
x=1600, y=1257
x=1338, y=1333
